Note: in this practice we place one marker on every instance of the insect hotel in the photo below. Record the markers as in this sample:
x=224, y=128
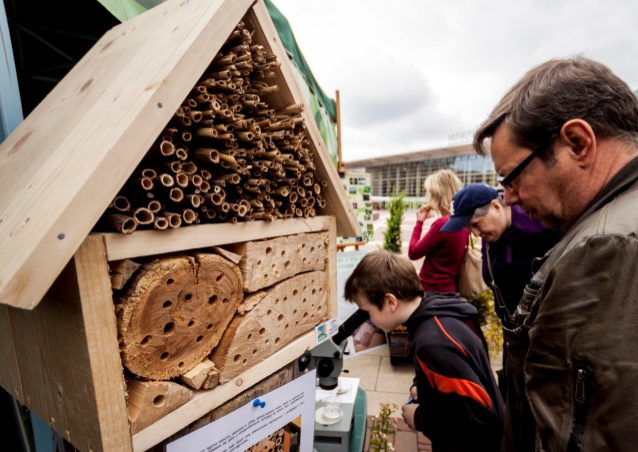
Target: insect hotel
x=167, y=225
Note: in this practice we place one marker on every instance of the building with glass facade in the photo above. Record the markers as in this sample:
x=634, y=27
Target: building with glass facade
x=395, y=173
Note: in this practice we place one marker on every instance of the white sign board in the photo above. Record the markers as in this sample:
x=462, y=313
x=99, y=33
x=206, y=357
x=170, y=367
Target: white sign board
x=246, y=426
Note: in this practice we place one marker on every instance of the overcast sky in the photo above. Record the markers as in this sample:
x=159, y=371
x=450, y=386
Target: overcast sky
x=413, y=74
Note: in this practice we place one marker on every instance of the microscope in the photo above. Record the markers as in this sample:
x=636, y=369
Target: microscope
x=327, y=357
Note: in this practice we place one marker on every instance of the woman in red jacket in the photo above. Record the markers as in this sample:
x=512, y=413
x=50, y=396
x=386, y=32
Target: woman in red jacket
x=443, y=251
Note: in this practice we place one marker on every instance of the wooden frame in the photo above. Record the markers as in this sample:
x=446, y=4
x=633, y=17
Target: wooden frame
x=68, y=369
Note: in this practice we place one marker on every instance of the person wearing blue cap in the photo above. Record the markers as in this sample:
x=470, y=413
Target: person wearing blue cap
x=511, y=240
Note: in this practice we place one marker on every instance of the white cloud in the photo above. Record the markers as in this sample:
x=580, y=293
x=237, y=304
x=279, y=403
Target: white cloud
x=411, y=73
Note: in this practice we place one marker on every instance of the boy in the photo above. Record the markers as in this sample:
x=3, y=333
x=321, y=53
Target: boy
x=457, y=404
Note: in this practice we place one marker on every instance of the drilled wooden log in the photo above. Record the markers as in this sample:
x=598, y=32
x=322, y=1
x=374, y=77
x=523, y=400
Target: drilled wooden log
x=174, y=312
x=289, y=309
x=149, y=401
x=266, y=262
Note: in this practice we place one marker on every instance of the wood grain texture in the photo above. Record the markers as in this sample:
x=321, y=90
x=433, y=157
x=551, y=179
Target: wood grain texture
x=9, y=375
x=149, y=401
x=266, y=262
x=174, y=312
x=147, y=243
x=114, y=102
x=290, y=308
x=68, y=356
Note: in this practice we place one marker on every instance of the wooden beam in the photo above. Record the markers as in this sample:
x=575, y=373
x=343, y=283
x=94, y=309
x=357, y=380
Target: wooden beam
x=146, y=243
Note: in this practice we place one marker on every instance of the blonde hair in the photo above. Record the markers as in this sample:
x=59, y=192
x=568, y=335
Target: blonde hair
x=440, y=187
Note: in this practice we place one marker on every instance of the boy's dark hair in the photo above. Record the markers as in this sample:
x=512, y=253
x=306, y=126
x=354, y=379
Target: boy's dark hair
x=381, y=272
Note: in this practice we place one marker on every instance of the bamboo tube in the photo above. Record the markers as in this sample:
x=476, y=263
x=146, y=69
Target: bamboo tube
x=121, y=203
x=189, y=167
x=215, y=199
x=207, y=132
x=143, y=215
x=175, y=166
x=174, y=219
x=181, y=179
x=204, y=187
x=206, y=155
x=148, y=173
x=196, y=115
x=154, y=206
x=196, y=180
x=166, y=180
x=166, y=148
x=210, y=214
x=228, y=159
x=282, y=191
x=160, y=223
x=181, y=153
x=262, y=216
x=189, y=216
x=230, y=57
x=176, y=194
x=170, y=132
x=294, y=108
x=293, y=197
x=206, y=175
x=195, y=200
x=121, y=223
x=231, y=178
x=272, y=154
x=245, y=136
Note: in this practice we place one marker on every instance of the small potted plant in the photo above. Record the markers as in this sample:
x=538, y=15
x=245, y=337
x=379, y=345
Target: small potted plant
x=383, y=425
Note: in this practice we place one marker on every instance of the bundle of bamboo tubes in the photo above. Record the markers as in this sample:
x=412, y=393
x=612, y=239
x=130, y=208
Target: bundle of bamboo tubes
x=226, y=155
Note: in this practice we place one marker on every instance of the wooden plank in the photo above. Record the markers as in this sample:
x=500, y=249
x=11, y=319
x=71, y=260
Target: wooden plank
x=99, y=120
x=146, y=243
x=204, y=402
x=332, y=270
x=68, y=356
x=289, y=93
x=103, y=347
x=9, y=375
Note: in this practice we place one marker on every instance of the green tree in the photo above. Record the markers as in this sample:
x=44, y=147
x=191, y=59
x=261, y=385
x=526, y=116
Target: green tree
x=392, y=234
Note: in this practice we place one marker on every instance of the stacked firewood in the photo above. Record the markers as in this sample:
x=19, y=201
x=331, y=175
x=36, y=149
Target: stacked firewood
x=226, y=155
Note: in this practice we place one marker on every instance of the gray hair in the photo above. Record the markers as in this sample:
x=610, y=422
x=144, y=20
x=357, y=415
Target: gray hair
x=482, y=211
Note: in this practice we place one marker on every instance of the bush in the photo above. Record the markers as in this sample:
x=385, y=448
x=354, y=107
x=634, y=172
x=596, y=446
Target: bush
x=392, y=234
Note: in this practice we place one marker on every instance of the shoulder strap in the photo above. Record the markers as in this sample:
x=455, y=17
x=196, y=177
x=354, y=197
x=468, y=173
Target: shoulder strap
x=498, y=298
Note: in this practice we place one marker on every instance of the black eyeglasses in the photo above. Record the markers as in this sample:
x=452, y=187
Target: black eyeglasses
x=506, y=182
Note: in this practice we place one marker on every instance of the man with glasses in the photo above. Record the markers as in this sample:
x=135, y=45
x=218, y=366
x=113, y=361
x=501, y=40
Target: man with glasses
x=565, y=140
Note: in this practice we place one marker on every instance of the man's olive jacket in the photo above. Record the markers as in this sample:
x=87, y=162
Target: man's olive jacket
x=573, y=353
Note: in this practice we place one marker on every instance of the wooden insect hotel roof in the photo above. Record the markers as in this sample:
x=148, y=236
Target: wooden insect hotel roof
x=64, y=166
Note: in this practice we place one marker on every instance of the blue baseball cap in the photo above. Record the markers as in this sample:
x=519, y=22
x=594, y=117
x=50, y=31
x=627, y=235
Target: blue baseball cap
x=465, y=202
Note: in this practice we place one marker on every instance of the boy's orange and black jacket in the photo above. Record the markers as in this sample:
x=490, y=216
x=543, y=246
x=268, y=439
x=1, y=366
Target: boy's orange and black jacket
x=460, y=406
